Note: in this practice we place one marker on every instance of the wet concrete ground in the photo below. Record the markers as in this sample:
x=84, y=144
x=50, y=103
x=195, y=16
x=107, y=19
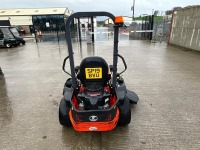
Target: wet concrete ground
x=166, y=79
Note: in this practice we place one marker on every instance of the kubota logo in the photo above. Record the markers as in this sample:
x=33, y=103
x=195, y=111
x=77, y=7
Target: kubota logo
x=93, y=118
x=92, y=128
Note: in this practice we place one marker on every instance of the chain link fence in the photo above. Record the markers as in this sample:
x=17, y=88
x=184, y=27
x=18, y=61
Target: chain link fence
x=161, y=31
x=143, y=30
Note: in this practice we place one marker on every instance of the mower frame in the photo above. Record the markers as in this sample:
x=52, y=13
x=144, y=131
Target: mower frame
x=119, y=112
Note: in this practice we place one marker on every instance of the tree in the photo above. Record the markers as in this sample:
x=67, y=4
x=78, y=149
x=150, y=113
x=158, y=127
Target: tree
x=168, y=12
x=177, y=8
x=156, y=13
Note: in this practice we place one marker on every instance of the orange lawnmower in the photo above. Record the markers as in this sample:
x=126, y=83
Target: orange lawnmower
x=95, y=97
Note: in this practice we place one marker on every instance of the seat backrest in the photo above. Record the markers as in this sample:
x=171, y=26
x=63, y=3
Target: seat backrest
x=93, y=71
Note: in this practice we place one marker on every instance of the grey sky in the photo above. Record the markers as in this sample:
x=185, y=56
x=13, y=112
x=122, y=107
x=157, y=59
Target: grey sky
x=117, y=7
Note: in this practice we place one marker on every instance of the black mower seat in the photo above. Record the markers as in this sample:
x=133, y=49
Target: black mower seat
x=93, y=73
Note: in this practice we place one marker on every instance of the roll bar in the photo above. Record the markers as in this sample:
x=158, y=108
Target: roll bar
x=69, y=43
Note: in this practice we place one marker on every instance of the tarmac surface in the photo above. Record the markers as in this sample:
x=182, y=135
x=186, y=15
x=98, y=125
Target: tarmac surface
x=166, y=79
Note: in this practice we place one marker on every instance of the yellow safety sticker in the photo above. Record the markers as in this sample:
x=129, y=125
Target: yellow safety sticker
x=93, y=73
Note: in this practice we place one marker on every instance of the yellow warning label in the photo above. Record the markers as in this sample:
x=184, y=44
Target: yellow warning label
x=93, y=73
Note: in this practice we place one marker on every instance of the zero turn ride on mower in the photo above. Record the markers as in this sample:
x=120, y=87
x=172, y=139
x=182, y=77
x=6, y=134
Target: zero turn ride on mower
x=95, y=98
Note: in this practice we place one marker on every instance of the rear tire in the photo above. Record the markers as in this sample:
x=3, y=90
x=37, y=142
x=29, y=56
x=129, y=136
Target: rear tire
x=64, y=113
x=125, y=112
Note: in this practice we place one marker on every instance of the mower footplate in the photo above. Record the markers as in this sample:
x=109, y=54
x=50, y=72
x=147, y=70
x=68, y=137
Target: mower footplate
x=132, y=96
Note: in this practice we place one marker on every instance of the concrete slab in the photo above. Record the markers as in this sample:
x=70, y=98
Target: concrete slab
x=166, y=79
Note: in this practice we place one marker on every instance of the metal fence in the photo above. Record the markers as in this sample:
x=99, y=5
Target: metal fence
x=142, y=30
x=150, y=30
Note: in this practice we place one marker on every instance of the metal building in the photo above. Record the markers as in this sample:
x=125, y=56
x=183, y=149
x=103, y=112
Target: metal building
x=44, y=19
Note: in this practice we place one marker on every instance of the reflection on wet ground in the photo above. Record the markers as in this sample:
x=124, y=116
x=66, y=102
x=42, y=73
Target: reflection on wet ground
x=100, y=34
x=165, y=78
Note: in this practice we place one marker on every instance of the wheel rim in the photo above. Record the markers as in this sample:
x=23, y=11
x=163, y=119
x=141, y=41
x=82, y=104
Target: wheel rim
x=8, y=45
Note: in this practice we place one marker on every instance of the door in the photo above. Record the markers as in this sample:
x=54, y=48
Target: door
x=1, y=38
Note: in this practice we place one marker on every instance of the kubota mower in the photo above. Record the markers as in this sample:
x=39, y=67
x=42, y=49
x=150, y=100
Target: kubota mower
x=95, y=97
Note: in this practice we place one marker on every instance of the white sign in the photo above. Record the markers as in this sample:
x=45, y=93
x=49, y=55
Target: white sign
x=47, y=24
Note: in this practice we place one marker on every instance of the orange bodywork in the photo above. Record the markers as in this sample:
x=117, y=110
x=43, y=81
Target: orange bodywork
x=94, y=126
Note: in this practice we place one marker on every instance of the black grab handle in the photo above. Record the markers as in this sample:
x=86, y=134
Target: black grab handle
x=125, y=65
x=63, y=67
